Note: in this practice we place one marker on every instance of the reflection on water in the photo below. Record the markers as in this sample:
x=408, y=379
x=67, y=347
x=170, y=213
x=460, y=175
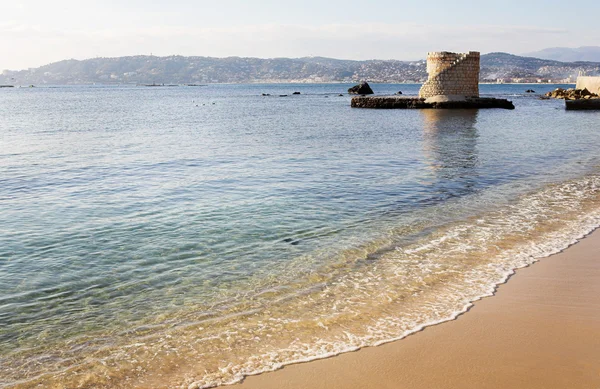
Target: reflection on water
x=450, y=148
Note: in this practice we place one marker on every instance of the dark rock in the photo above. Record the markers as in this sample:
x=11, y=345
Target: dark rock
x=361, y=89
x=399, y=92
x=341, y=95
x=296, y=93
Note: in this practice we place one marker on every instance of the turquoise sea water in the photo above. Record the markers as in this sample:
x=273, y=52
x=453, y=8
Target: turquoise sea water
x=189, y=236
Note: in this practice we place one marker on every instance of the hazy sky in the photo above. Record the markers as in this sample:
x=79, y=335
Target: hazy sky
x=37, y=32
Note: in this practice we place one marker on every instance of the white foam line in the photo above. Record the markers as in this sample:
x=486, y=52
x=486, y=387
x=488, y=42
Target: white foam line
x=239, y=377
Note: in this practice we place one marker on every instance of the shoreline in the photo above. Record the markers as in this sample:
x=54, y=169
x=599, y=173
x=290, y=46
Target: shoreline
x=490, y=343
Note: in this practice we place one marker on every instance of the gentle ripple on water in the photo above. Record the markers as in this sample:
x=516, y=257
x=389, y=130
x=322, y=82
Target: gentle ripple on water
x=147, y=239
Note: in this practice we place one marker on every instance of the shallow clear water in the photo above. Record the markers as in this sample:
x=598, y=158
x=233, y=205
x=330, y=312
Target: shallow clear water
x=193, y=235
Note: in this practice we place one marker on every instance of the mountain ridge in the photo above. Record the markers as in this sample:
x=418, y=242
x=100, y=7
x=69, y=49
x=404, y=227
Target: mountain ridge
x=144, y=69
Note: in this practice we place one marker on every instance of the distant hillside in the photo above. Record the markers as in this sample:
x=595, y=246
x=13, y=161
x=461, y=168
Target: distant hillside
x=515, y=68
x=181, y=70
x=201, y=70
x=567, y=54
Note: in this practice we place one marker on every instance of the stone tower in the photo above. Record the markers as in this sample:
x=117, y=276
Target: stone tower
x=454, y=75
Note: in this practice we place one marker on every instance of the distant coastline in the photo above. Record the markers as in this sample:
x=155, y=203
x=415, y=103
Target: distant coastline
x=495, y=68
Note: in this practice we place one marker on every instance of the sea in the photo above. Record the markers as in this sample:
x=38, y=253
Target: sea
x=190, y=236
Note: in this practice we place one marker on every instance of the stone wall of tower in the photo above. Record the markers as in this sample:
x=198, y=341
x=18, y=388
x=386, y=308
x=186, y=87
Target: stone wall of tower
x=452, y=74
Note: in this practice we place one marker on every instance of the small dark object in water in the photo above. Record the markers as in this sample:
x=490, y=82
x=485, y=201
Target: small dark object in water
x=529, y=91
x=326, y=96
x=399, y=92
x=295, y=243
x=266, y=94
x=163, y=84
x=282, y=95
x=288, y=240
x=296, y=93
x=341, y=95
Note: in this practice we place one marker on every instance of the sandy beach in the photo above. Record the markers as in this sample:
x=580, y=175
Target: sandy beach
x=540, y=330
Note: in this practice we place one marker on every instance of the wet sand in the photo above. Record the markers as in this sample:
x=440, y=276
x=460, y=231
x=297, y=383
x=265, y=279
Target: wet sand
x=540, y=330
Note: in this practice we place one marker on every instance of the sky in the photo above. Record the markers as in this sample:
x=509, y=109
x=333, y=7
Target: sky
x=38, y=32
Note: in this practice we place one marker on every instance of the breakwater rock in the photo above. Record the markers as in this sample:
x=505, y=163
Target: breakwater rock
x=397, y=102
x=571, y=94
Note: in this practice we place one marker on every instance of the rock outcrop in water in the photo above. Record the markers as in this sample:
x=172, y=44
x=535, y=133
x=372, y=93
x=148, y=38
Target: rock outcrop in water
x=361, y=89
x=576, y=99
x=571, y=94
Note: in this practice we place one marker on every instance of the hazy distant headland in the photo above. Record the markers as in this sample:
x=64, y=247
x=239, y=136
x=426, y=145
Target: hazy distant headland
x=568, y=54
x=495, y=67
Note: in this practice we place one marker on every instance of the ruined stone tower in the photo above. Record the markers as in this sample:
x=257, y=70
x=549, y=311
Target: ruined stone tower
x=452, y=74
